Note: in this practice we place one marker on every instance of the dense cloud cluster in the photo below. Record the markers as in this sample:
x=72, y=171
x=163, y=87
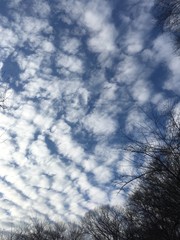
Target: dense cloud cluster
x=72, y=72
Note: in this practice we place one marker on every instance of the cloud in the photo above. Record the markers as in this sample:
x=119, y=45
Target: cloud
x=66, y=144
x=69, y=62
x=103, y=174
x=70, y=45
x=128, y=70
x=134, y=43
x=100, y=124
x=164, y=51
x=95, y=17
x=41, y=9
x=75, y=71
x=144, y=95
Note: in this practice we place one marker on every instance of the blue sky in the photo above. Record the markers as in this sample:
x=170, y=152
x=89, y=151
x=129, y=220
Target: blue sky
x=71, y=74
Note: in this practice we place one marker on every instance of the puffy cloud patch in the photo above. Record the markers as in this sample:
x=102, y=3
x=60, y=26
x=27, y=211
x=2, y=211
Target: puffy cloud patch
x=70, y=63
x=100, y=124
x=95, y=16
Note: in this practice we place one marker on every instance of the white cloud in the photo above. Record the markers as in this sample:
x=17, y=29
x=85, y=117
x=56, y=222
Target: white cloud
x=69, y=62
x=117, y=199
x=134, y=43
x=39, y=151
x=95, y=16
x=8, y=39
x=47, y=46
x=103, y=174
x=128, y=70
x=125, y=166
x=97, y=196
x=141, y=91
x=164, y=53
x=163, y=47
x=135, y=119
x=89, y=164
x=103, y=41
x=100, y=124
x=70, y=45
x=65, y=143
x=41, y=8
x=106, y=154
x=14, y=3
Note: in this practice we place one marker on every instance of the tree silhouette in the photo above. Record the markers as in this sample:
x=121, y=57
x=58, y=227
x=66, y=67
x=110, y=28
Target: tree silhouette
x=104, y=223
x=157, y=148
x=153, y=209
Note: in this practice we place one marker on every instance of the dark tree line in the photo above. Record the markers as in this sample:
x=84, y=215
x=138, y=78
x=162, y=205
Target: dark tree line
x=154, y=206
x=152, y=211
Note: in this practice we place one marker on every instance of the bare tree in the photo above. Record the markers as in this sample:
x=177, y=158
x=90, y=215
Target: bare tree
x=104, y=223
x=75, y=232
x=44, y=230
x=37, y=230
x=157, y=148
x=153, y=209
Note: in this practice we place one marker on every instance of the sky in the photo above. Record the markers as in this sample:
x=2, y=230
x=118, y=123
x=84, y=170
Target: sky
x=72, y=72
